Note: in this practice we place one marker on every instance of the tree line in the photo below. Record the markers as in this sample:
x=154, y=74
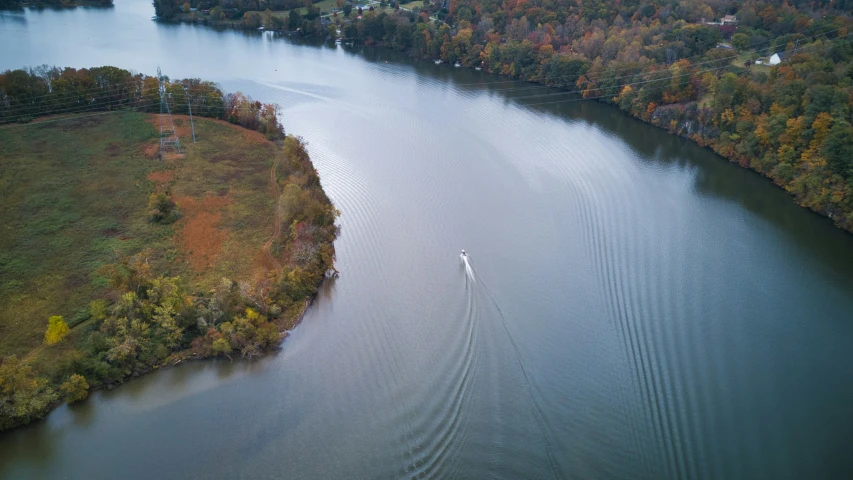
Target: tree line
x=28, y=93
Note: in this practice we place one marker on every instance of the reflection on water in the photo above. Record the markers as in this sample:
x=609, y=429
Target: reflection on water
x=641, y=309
x=12, y=17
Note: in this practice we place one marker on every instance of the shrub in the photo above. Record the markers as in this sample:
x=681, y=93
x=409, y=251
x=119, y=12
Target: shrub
x=162, y=208
x=75, y=388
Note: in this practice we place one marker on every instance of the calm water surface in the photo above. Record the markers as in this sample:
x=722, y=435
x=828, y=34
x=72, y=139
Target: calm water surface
x=639, y=308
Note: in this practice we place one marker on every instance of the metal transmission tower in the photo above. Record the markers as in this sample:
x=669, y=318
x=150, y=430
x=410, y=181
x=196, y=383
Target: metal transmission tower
x=190, y=108
x=168, y=137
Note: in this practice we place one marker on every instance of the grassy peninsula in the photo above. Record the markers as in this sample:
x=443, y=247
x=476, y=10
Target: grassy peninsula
x=114, y=261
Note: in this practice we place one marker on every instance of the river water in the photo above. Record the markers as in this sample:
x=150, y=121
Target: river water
x=637, y=307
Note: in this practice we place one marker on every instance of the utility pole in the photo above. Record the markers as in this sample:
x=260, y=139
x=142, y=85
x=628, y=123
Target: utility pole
x=190, y=108
x=168, y=138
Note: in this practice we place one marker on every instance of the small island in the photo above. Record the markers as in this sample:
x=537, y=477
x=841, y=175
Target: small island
x=118, y=257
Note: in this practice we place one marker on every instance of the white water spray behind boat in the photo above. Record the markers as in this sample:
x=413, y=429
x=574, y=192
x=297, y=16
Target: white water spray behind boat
x=468, y=270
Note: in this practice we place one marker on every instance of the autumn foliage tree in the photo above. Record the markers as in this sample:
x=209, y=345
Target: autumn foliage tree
x=254, y=115
x=23, y=395
x=75, y=388
x=57, y=329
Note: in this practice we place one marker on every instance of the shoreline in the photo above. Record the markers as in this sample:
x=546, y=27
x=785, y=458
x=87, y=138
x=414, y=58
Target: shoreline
x=178, y=359
x=186, y=356
x=684, y=128
x=59, y=6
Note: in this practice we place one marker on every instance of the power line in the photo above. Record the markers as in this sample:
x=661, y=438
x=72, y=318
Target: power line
x=110, y=89
x=695, y=57
x=92, y=108
x=601, y=74
x=59, y=97
x=74, y=117
x=133, y=80
x=575, y=92
x=615, y=86
x=79, y=108
x=687, y=74
x=44, y=109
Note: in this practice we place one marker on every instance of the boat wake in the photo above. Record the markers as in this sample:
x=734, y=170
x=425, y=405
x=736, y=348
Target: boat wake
x=533, y=403
x=468, y=270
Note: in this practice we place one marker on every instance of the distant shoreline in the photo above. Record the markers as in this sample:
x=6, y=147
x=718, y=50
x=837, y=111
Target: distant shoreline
x=63, y=5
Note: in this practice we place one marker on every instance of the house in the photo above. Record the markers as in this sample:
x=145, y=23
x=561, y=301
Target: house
x=729, y=20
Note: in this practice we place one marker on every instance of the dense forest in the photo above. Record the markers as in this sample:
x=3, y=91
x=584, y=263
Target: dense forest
x=145, y=309
x=698, y=69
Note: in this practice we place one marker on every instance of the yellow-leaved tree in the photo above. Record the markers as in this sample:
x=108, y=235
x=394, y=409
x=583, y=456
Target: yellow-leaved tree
x=57, y=329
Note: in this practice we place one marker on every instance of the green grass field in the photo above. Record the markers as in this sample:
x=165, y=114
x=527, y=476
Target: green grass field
x=72, y=191
x=75, y=198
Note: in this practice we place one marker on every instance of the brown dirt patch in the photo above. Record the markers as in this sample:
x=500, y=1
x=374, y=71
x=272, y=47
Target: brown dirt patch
x=182, y=130
x=203, y=203
x=182, y=127
x=163, y=176
x=151, y=150
x=200, y=236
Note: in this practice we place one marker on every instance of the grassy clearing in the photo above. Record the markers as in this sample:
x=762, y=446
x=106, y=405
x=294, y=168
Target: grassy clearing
x=323, y=5
x=739, y=61
x=72, y=191
x=75, y=196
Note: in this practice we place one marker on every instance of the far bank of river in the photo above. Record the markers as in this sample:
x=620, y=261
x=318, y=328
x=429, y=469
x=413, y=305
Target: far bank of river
x=813, y=169
x=640, y=309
